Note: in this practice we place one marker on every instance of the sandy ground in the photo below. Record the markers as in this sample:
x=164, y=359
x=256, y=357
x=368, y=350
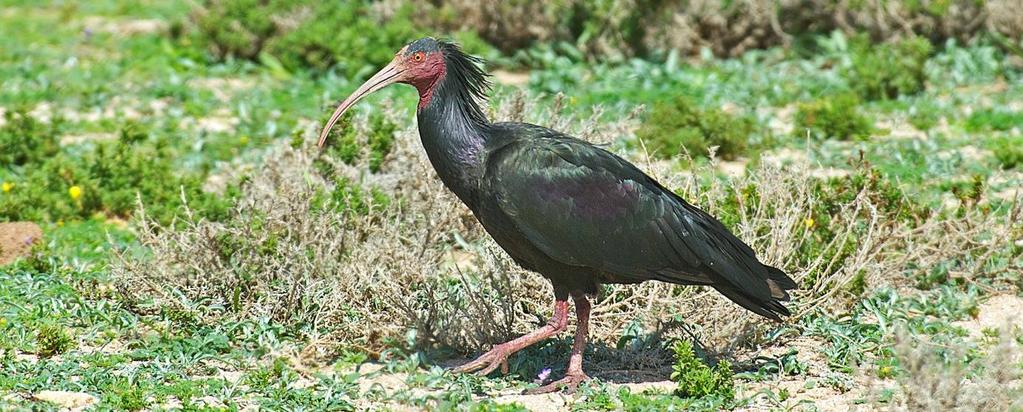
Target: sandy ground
x=16, y=239
x=997, y=313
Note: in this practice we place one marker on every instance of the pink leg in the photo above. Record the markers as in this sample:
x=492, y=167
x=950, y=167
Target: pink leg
x=574, y=375
x=498, y=356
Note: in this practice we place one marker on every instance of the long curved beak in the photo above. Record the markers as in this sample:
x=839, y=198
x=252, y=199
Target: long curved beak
x=390, y=74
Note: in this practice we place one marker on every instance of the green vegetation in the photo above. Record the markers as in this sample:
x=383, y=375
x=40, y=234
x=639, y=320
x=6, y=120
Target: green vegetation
x=834, y=117
x=106, y=178
x=347, y=35
x=988, y=120
x=267, y=273
x=1008, y=151
x=679, y=125
x=696, y=379
x=53, y=340
x=24, y=140
x=889, y=70
x=306, y=34
x=343, y=141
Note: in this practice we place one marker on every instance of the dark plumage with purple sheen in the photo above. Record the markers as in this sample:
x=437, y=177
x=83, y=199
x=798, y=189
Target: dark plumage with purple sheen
x=575, y=213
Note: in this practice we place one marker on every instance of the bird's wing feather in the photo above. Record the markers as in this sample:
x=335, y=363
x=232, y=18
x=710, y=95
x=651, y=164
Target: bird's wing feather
x=584, y=206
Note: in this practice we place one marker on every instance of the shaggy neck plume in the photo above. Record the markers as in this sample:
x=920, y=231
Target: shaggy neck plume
x=461, y=82
x=452, y=123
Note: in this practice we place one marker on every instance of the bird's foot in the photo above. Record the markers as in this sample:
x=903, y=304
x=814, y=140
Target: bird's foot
x=488, y=362
x=569, y=384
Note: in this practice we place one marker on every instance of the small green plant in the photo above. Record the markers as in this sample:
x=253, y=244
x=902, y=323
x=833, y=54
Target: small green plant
x=968, y=192
x=344, y=141
x=787, y=364
x=1008, y=151
x=269, y=375
x=52, y=340
x=128, y=396
x=887, y=70
x=25, y=140
x=987, y=120
x=680, y=123
x=834, y=117
x=696, y=380
x=347, y=197
x=381, y=140
x=924, y=115
x=887, y=367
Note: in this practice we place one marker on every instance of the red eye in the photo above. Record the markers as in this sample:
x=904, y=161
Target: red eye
x=418, y=56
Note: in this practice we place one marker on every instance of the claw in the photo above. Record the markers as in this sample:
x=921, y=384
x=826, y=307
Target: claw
x=569, y=384
x=487, y=362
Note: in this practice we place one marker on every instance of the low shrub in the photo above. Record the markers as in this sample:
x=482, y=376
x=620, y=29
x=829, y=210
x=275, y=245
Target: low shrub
x=680, y=124
x=327, y=253
x=24, y=140
x=351, y=147
x=988, y=120
x=352, y=35
x=1008, y=151
x=888, y=203
x=303, y=34
x=833, y=117
x=106, y=179
x=696, y=380
x=887, y=70
x=924, y=115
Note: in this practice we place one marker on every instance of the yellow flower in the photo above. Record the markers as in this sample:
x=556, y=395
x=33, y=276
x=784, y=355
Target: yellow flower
x=244, y=140
x=75, y=192
x=808, y=222
x=60, y=222
x=7, y=186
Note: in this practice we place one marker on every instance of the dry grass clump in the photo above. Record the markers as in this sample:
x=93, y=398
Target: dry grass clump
x=364, y=276
x=936, y=378
x=356, y=271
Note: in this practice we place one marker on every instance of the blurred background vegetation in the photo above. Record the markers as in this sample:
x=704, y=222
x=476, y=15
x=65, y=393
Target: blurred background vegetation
x=873, y=148
x=352, y=33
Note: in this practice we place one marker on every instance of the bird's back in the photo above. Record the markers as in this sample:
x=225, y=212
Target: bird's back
x=581, y=216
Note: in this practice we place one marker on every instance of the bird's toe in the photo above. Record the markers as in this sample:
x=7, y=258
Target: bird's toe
x=569, y=384
x=486, y=363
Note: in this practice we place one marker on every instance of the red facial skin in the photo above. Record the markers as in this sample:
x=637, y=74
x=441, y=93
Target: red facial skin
x=424, y=73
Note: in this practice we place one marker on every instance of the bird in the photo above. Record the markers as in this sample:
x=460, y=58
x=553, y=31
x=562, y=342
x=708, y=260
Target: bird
x=577, y=214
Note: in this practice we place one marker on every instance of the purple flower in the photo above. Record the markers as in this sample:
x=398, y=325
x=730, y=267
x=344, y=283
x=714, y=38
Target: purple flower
x=544, y=374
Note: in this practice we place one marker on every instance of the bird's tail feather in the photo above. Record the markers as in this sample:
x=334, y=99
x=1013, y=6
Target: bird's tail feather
x=779, y=282
x=770, y=308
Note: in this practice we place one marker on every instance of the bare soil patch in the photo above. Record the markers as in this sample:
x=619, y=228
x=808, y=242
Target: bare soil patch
x=73, y=139
x=16, y=239
x=511, y=78
x=221, y=87
x=74, y=401
x=124, y=27
x=996, y=313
